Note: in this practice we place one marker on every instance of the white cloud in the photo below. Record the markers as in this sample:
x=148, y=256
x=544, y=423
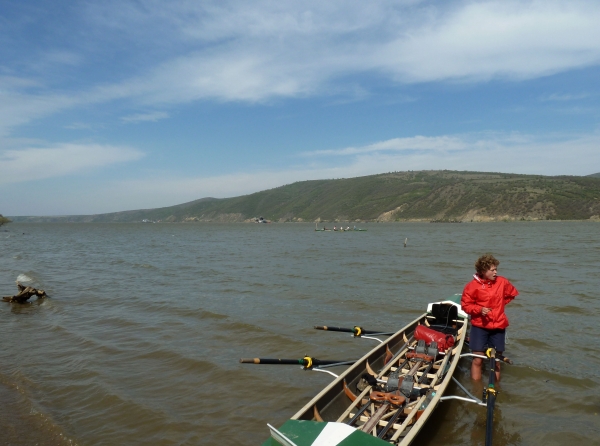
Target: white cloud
x=56, y=58
x=513, y=152
x=257, y=51
x=412, y=144
x=144, y=117
x=483, y=40
x=233, y=50
x=8, y=83
x=33, y=164
x=244, y=76
x=20, y=108
x=79, y=126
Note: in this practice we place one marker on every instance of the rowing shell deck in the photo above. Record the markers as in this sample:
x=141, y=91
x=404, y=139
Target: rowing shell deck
x=385, y=397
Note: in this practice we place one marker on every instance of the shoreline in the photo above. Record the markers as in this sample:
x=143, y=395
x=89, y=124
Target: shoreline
x=64, y=220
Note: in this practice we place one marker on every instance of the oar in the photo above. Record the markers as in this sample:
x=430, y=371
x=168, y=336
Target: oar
x=356, y=331
x=490, y=394
x=307, y=362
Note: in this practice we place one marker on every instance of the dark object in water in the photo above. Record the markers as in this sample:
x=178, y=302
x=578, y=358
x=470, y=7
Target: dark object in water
x=25, y=293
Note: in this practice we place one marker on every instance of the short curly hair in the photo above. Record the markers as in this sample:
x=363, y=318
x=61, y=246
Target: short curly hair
x=484, y=263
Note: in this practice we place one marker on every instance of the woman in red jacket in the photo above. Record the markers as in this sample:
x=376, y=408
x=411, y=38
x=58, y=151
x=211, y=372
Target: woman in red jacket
x=484, y=299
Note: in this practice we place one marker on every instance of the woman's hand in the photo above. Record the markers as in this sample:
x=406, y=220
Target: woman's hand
x=485, y=311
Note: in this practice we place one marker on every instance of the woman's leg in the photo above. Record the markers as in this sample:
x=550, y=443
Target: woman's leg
x=477, y=342
x=498, y=369
x=476, y=366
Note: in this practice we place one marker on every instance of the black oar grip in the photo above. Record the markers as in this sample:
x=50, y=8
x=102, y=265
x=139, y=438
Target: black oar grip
x=325, y=327
x=270, y=361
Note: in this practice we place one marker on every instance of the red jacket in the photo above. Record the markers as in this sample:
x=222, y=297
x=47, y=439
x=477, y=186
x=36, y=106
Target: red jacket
x=479, y=293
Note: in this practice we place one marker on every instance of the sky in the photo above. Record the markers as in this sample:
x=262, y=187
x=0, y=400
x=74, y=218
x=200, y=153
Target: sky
x=116, y=105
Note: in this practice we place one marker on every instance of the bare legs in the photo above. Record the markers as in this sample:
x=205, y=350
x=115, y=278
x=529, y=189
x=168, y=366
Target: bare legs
x=477, y=365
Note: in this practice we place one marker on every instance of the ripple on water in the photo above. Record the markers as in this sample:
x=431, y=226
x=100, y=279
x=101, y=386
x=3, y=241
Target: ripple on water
x=144, y=265
x=534, y=344
x=568, y=309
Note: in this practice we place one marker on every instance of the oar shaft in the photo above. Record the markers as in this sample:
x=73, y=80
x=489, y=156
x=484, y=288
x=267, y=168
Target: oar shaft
x=491, y=401
x=489, y=425
x=306, y=361
x=349, y=330
x=333, y=364
x=319, y=362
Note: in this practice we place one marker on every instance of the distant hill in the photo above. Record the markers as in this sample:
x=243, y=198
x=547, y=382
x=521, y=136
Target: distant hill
x=397, y=196
x=595, y=175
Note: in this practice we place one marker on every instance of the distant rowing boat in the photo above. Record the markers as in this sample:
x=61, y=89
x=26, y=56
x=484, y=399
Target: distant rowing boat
x=348, y=229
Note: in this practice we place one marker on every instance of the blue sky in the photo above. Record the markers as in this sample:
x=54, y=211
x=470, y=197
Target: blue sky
x=115, y=105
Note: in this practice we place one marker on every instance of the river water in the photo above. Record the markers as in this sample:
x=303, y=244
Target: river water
x=140, y=340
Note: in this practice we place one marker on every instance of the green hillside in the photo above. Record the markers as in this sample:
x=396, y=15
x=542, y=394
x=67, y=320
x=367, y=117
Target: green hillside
x=398, y=196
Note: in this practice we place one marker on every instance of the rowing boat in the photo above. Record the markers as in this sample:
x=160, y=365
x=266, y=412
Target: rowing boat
x=387, y=395
x=317, y=229
x=340, y=230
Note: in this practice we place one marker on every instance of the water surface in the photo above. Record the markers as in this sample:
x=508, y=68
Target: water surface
x=140, y=340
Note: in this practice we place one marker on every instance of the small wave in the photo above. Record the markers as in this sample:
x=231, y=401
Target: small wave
x=291, y=276
x=563, y=379
x=534, y=343
x=144, y=265
x=24, y=278
x=570, y=309
x=584, y=296
x=204, y=314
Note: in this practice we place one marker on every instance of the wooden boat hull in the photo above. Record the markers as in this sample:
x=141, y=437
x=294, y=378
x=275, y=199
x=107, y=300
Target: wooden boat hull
x=335, y=405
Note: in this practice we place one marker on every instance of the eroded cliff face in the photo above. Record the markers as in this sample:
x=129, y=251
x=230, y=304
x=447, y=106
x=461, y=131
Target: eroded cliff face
x=392, y=215
x=472, y=215
x=218, y=218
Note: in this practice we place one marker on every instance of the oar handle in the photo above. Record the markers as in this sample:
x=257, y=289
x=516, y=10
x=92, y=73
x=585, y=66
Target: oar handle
x=504, y=359
x=356, y=331
x=325, y=327
x=271, y=361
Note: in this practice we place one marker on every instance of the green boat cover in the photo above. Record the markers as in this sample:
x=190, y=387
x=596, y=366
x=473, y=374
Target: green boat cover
x=314, y=433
